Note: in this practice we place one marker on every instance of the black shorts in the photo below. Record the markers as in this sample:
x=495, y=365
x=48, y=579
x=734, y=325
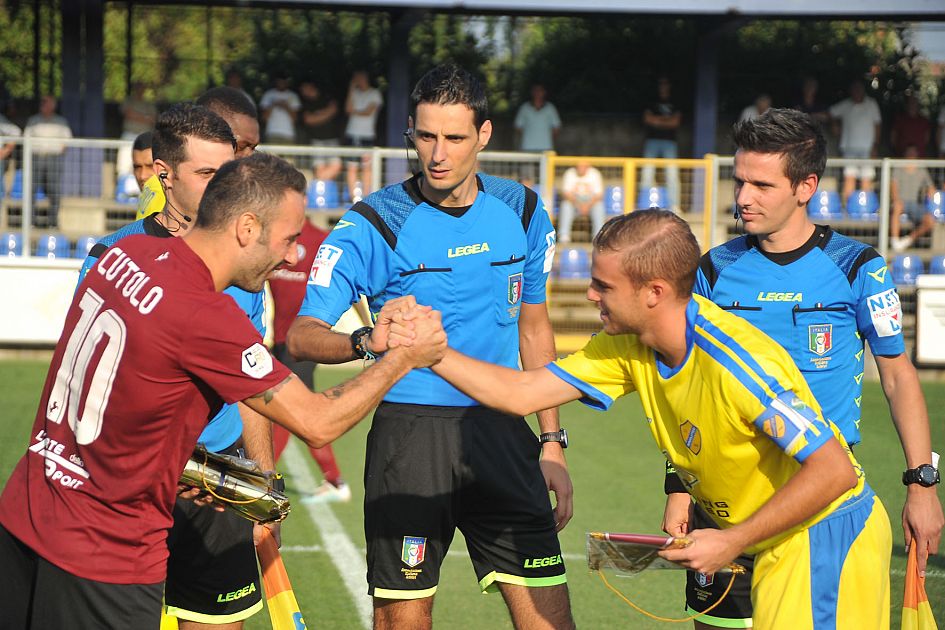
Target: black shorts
x=702, y=591
x=35, y=593
x=212, y=575
x=305, y=370
x=430, y=470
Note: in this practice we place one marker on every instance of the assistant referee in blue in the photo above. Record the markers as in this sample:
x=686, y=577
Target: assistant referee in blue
x=479, y=249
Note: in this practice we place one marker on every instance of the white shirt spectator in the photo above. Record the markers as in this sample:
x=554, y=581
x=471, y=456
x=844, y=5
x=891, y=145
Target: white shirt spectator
x=361, y=126
x=7, y=128
x=536, y=126
x=859, y=122
x=55, y=126
x=584, y=187
x=280, y=123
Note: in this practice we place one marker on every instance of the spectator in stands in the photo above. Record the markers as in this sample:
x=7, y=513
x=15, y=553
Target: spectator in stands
x=911, y=188
x=142, y=162
x=47, y=156
x=537, y=122
x=318, y=127
x=860, y=123
x=235, y=80
x=581, y=191
x=910, y=129
x=809, y=103
x=760, y=106
x=138, y=115
x=8, y=129
x=362, y=107
x=280, y=107
x=662, y=120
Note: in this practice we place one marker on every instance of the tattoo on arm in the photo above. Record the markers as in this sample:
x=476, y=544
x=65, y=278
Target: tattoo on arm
x=270, y=393
x=336, y=392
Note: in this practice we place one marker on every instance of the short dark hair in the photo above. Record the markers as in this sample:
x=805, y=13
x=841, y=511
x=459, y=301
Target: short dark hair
x=787, y=132
x=182, y=121
x=655, y=244
x=256, y=184
x=449, y=84
x=225, y=100
x=142, y=142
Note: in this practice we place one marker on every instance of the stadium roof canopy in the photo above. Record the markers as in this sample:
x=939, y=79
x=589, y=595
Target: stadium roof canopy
x=871, y=9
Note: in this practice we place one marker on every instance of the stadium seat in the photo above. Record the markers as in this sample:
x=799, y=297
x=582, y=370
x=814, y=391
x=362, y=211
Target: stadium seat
x=937, y=265
x=905, y=268
x=936, y=205
x=654, y=197
x=613, y=200
x=322, y=194
x=825, y=205
x=53, y=246
x=16, y=190
x=863, y=205
x=126, y=190
x=82, y=246
x=11, y=244
x=357, y=193
x=574, y=263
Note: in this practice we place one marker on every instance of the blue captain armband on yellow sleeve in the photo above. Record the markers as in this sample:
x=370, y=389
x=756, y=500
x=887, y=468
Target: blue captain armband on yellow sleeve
x=793, y=426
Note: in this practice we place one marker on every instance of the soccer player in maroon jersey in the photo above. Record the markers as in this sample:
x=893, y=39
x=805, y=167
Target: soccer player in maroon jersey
x=150, y=346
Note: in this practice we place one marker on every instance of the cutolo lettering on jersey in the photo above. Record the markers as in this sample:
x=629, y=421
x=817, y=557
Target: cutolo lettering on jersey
x=135, y=289
x=467, y=250
x=773, y=296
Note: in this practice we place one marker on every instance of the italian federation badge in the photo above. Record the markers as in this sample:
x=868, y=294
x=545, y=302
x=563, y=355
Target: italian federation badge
x=821, y=338
x=515, y=288
x=414, y=550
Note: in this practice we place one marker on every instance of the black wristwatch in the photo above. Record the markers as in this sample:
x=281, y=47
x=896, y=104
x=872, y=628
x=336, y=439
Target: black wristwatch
x=561, y=437
x=359, y=343
x=925, y=475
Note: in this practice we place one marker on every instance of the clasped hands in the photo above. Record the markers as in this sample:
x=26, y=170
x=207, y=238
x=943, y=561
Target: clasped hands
x=411, y=328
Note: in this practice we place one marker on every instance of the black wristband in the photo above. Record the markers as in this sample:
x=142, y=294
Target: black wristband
x=672, y=484
x=359, y=343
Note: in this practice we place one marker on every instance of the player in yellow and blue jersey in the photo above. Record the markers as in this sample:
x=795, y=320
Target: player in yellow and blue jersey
x=733, y=414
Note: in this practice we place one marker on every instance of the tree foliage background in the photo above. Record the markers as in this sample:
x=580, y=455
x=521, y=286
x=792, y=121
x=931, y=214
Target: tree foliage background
x=600, y=64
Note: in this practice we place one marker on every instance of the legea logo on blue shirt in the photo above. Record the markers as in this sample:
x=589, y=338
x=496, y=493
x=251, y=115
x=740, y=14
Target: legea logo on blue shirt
x=467, y=250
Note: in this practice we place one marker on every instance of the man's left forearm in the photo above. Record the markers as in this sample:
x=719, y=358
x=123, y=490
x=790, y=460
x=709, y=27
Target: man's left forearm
x=537, y=348
x=257, y=437
x=907, y=407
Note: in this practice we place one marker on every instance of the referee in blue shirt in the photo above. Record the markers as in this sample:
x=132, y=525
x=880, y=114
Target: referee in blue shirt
x=479, y=249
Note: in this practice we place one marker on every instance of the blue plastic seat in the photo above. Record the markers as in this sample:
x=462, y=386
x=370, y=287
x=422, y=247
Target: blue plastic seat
x=825, y=205
x=574, y=263
x=11, y=244
x=322, y=194
x=83, y=245
x=126, y=190
x=863, y=205
x=53, y=246
x=654, y=197
x=905, y=268
x=937, y=265
x=936, y=205
x=613, y=200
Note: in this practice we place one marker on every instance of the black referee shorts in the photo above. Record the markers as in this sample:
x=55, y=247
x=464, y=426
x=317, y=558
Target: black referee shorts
x=430, y=470
x=704, y=590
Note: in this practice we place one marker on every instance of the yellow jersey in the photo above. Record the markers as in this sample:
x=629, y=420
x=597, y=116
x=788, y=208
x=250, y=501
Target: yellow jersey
x=151, y=200
x=735, y=419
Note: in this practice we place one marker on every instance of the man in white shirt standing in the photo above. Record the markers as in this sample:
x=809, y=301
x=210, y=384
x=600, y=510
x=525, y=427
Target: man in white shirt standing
x=536, y=126
x=362, y=106
x=860, y=122
x=581, y=191
x=279, y=106
x=47, y=157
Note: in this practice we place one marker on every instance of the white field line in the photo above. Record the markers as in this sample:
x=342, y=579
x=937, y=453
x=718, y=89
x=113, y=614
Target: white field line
x=348, y=559
x=933, y=574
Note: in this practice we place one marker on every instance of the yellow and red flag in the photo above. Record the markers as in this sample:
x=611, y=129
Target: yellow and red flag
x=280, y=598
x=916, y=611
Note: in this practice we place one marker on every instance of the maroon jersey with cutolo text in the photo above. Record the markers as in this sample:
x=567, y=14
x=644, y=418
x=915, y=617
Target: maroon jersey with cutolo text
x=288, y=284
x=148, y=351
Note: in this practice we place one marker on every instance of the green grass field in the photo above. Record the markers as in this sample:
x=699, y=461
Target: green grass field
x=617, y=474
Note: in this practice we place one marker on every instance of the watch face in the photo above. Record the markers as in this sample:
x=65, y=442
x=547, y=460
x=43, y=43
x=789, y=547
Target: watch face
x=927, y=475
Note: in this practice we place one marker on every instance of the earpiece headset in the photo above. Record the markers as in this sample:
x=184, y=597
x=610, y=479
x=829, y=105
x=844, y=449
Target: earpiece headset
x=163, y=177
x=410, y=144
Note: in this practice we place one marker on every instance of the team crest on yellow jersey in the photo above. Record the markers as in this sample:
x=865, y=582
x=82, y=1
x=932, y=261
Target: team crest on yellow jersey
x=691, y=436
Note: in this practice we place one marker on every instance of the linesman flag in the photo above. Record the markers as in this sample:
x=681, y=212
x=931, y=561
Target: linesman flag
x=280, y=598
x=916, y=612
